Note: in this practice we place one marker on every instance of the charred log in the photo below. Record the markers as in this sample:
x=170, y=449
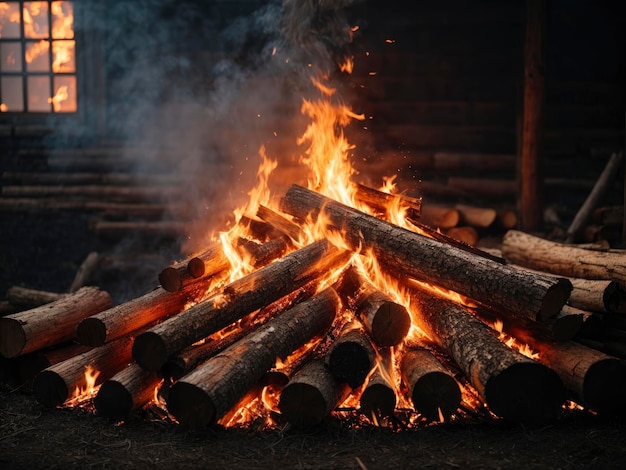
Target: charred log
x=351, y=357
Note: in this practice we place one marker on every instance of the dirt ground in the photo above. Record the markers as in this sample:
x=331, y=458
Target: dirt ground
x=32, y=436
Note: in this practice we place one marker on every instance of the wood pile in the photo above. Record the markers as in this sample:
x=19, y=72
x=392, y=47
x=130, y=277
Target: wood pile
x=306, y=333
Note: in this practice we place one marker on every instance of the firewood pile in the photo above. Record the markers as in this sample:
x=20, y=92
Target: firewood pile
x=444, y=331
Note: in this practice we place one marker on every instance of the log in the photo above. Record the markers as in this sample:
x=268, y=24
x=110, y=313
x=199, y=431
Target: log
x=595, y=379
x=129, y=389
x=352, y=356
x=85, y=271
x=382, y=201
x=6, y=308
x=414, y=255
x=514, y=387
x=584, y=214
x=53, y=385
x=207, y=393
x=311, y=395
x=379, y=395
x=465, y=234
x=612, y=348
x=481, y=217
x=442, y=217
x=279, y=222
x=29, y=365
x=253, y=291
x=49, y=324
x=562, y=259
x=434, y=392
x=112, y=323
x=25, y=298
x=597, y=295
x=387, y=321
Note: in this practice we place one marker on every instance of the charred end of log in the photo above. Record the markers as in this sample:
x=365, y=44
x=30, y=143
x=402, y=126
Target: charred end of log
x=390, y=324
x=149, y=351
x=378, y=399
x=12, y=337
x=50, y=389
x=526, y=392
x=614, y=298
x=91, y=332
x=349, y=362
x=113, y=401
x=303, y=404
x=554, y=299
x=196, y=267
x=171, y=279
x=604, y=387
x=191, y=405
x=436, y=396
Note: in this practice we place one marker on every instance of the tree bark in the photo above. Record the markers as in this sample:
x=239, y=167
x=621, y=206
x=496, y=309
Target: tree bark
x=408, y=253
x=259, y=288
x=311, y=395
x=435, y=393
x=514, y=387
x=565, y=260
x=49, y=324
x=351, y=357
x=129, y=389
x=387, y=321
x=207, y=393
x=597, y=295
x=25, y=298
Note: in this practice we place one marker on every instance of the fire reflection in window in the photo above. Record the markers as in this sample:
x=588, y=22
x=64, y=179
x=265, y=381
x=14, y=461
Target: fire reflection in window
x=37, y=57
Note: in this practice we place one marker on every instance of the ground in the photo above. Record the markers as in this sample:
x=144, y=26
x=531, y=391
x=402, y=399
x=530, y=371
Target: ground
x=38, y=252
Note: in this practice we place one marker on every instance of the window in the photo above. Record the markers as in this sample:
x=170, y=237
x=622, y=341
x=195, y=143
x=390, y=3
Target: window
x=37, y=57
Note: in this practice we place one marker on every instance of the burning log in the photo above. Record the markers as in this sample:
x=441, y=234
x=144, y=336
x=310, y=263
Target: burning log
x=557, y=258
x=129, y=389
x=29, y=365
x=596, y=379
x=207, y=393
x=280, y=223
x=49, y=324
x=387, y=321
x=311, y=395
x=351, y=357
x=435, y=393
x=528, y=295
x=381, y=201
x=122, y=319
x=25, y=298
x=514, y=387
x=53, y=385
x=379, y=395
x=259, y=288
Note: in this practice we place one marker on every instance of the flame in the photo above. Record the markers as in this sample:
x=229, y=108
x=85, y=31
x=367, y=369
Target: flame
x=83, y=394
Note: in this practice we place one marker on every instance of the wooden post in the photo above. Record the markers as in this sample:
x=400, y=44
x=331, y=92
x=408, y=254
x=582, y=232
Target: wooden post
x=530, y=197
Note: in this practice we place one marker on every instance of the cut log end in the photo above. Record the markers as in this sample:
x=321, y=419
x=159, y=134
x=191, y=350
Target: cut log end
x=12, y=337
x=149, y=351
x=113, y=401
x=195, y=267
x=604, y=387
x=391, y=324
x=303, y=404
x=378, y=399
x=50, y=389
x=200, y=415
x=171, y=279
x=349, y=362
x=436, y=396
x=526, y=392
x=554, y=299
x=91, y=332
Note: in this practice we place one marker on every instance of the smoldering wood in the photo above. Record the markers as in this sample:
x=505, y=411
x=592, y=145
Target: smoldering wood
x=378, y=398
x=433, y=390
x=255, y=290
x=352, y=356
x=201, y=397
x=85, y=271
x=387, y=321
x=54, y=385
x=548, y=256
x=311, y=395
x=50, y=324
x=26, y=298
x=382, y=201
x=514, y=387
x=260, y=254
x=414, y=255
x=102, y=327
x=129, y=389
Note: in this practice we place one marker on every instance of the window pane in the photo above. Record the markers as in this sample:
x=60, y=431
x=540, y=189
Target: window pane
x=63, y=57
x=38, y=94
x=62, y=20
x=64, y=100
x=9, y=20
x=12, y=94
x=37, y=57
x=36, y=20
x=11, y=56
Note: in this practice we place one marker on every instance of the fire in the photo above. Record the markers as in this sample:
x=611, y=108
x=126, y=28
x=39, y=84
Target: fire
x=87, y=391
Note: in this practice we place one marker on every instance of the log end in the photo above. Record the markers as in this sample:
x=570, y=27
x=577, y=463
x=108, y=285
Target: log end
x=390, y=324
x=12, y=337
x=526, y=392
x=378, y=399
x=604, y=387
x=91, y=332
x=113, y=401
x=436, y=396
x=190, y=405
x=149, y=351
x=50, y=389
x=195, y=267
x=614, y=298
x=170, y=279
x=555, y=298
x=302, y=404
x=350, y=363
